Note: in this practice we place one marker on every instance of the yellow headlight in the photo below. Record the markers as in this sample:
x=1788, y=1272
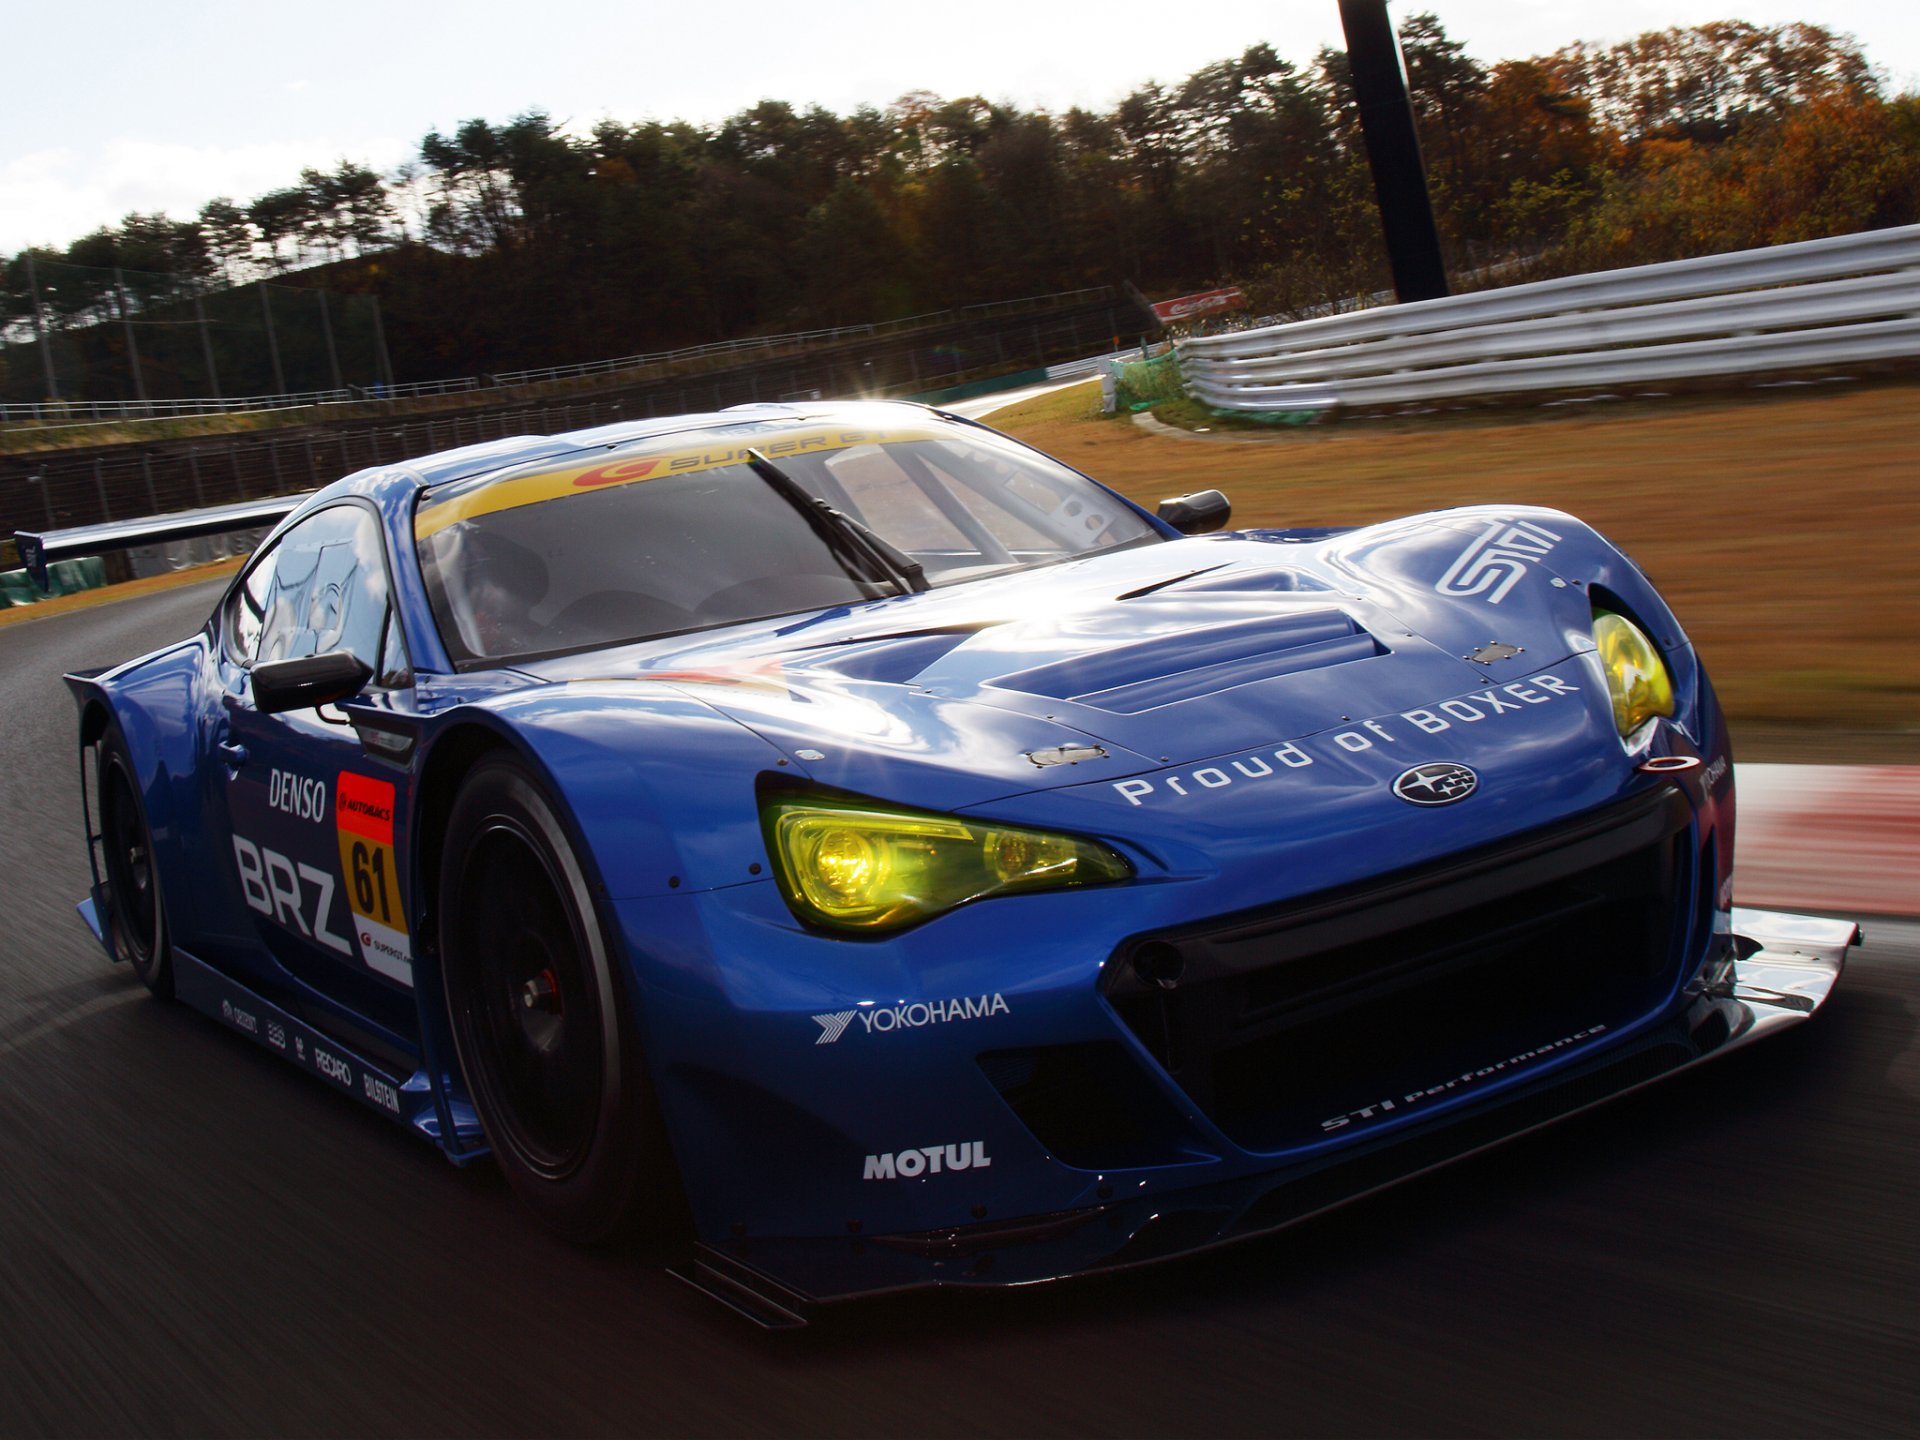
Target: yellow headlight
x=1637, y=678
x=1015, y=855
x=856, y=866
x=847, y=863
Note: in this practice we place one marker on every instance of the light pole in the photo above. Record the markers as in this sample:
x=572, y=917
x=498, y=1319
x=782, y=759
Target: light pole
x=1393, y=150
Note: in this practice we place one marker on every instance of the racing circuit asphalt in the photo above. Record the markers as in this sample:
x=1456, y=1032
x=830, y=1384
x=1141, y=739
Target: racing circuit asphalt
x=196, y=1239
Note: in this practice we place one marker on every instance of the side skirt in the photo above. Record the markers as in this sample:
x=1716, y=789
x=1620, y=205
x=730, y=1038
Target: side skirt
x=411, y=1100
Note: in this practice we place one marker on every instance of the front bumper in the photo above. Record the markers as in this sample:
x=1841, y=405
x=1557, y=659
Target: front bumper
x=1782, y=969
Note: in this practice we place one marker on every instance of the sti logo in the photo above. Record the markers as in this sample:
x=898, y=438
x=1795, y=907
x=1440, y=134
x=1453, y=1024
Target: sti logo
x=1440, y=783
x=1496, y=560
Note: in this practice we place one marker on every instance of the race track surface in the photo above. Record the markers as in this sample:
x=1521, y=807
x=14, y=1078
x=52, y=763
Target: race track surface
x=196, y=1239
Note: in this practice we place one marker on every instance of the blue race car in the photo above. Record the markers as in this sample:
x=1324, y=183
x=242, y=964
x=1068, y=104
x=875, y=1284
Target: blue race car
x=856, y=831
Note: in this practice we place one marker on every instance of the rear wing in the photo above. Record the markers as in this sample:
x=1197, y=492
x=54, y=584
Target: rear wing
x=40, y=549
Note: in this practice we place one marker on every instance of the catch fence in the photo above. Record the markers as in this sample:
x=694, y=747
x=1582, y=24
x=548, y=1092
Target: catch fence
x=60, y=489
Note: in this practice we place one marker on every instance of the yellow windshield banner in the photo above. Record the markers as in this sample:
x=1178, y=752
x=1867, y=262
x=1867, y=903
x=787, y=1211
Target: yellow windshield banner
x=458, y=502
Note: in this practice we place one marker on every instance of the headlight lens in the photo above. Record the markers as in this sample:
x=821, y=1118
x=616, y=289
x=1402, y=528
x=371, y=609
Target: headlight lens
x=1637, y=678
x=860, y=866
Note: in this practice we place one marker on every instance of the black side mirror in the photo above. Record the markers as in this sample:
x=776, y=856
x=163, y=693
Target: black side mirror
x=1197, y=513
x=281, y=685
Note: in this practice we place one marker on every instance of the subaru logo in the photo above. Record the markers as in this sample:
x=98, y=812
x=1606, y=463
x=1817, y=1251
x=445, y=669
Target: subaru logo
x=1440, y=783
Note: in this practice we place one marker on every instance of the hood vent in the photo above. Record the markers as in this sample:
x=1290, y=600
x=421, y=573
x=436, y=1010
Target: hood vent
x=1128, y=679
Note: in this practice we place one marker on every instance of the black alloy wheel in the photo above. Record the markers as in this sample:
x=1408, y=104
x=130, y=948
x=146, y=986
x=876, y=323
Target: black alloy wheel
x=135, y=916
x=539, y=1014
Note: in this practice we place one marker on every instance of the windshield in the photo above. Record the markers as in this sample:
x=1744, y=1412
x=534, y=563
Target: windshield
x=541, y=562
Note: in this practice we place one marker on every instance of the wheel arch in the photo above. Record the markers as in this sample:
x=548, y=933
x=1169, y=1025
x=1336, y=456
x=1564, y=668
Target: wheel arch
x=447, y=764
x=658, y=792
x=148, y=705
x=448, y=767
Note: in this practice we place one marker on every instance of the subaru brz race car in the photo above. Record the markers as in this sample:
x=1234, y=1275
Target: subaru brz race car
x=913, y=861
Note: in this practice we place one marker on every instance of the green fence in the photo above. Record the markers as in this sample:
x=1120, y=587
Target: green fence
x=64, y=577
x=1142, y=384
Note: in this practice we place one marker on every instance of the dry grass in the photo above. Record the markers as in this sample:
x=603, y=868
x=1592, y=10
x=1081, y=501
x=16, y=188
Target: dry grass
x=1782, y=525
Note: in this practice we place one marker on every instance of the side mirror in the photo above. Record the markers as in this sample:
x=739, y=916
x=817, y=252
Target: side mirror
x=281, y=685
x=1197, y=513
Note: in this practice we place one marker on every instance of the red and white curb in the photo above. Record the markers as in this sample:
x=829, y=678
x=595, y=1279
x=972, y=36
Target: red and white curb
x=1829, y=837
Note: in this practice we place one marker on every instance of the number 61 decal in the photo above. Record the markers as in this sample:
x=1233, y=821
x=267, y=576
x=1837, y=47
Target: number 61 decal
x=364, y=811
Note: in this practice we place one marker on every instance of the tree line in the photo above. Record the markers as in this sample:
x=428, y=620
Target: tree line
x=521, y=243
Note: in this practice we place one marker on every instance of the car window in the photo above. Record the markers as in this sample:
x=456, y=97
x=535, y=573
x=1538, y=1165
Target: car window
x=246, y=606
x=321, y=588
x=678, y=553
x=868, y=482
x=1028, y=509
x=696, y=532
x=394, y=669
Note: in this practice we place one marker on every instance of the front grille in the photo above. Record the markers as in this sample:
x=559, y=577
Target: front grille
x=1280, y=1023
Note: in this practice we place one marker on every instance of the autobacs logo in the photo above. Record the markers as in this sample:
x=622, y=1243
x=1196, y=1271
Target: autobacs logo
x=884, y=1019
x=927, y=1160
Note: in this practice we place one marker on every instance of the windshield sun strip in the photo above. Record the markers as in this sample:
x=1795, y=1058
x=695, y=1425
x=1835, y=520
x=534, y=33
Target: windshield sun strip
x=437, y=510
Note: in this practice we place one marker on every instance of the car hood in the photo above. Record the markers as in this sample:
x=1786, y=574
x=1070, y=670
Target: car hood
x=1114, y=665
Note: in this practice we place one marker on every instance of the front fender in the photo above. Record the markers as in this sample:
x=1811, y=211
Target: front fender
x=660, y=787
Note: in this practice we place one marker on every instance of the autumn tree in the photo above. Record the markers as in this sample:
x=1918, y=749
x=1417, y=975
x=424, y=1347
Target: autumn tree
x=1703, y=83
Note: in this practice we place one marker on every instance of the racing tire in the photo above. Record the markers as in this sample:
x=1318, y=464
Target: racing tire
x=540, y=1015
x=136, y=918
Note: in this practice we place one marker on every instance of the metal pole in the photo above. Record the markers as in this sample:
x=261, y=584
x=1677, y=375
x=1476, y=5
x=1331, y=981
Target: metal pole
x=133, y=346
x=206, y=350
x=380, y=337
x=40, y=333
x=273, y=345
x=1393, y=150
x=326, y=329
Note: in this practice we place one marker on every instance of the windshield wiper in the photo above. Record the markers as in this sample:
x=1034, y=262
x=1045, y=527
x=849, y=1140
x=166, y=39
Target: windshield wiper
x=840, y=530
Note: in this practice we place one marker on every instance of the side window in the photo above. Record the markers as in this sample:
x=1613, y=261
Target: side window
x=247, y=607
x=394, y=669
x=323, y=587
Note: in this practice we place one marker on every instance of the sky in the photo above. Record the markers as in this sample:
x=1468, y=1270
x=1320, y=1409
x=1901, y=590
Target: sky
x=122, y=105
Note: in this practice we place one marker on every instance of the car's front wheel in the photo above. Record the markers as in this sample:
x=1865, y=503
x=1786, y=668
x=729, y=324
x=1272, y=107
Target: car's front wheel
x=540, y=1014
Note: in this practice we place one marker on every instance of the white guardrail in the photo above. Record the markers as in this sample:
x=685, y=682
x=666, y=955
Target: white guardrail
x=1847, y=300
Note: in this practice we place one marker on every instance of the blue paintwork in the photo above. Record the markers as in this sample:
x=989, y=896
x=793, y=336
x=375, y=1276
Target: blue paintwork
x=1248, y=783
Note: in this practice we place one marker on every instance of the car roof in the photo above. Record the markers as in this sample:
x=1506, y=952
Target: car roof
x=470, y=462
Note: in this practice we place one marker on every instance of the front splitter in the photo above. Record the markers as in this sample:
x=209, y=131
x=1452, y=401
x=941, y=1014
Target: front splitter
x=1784, y=968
